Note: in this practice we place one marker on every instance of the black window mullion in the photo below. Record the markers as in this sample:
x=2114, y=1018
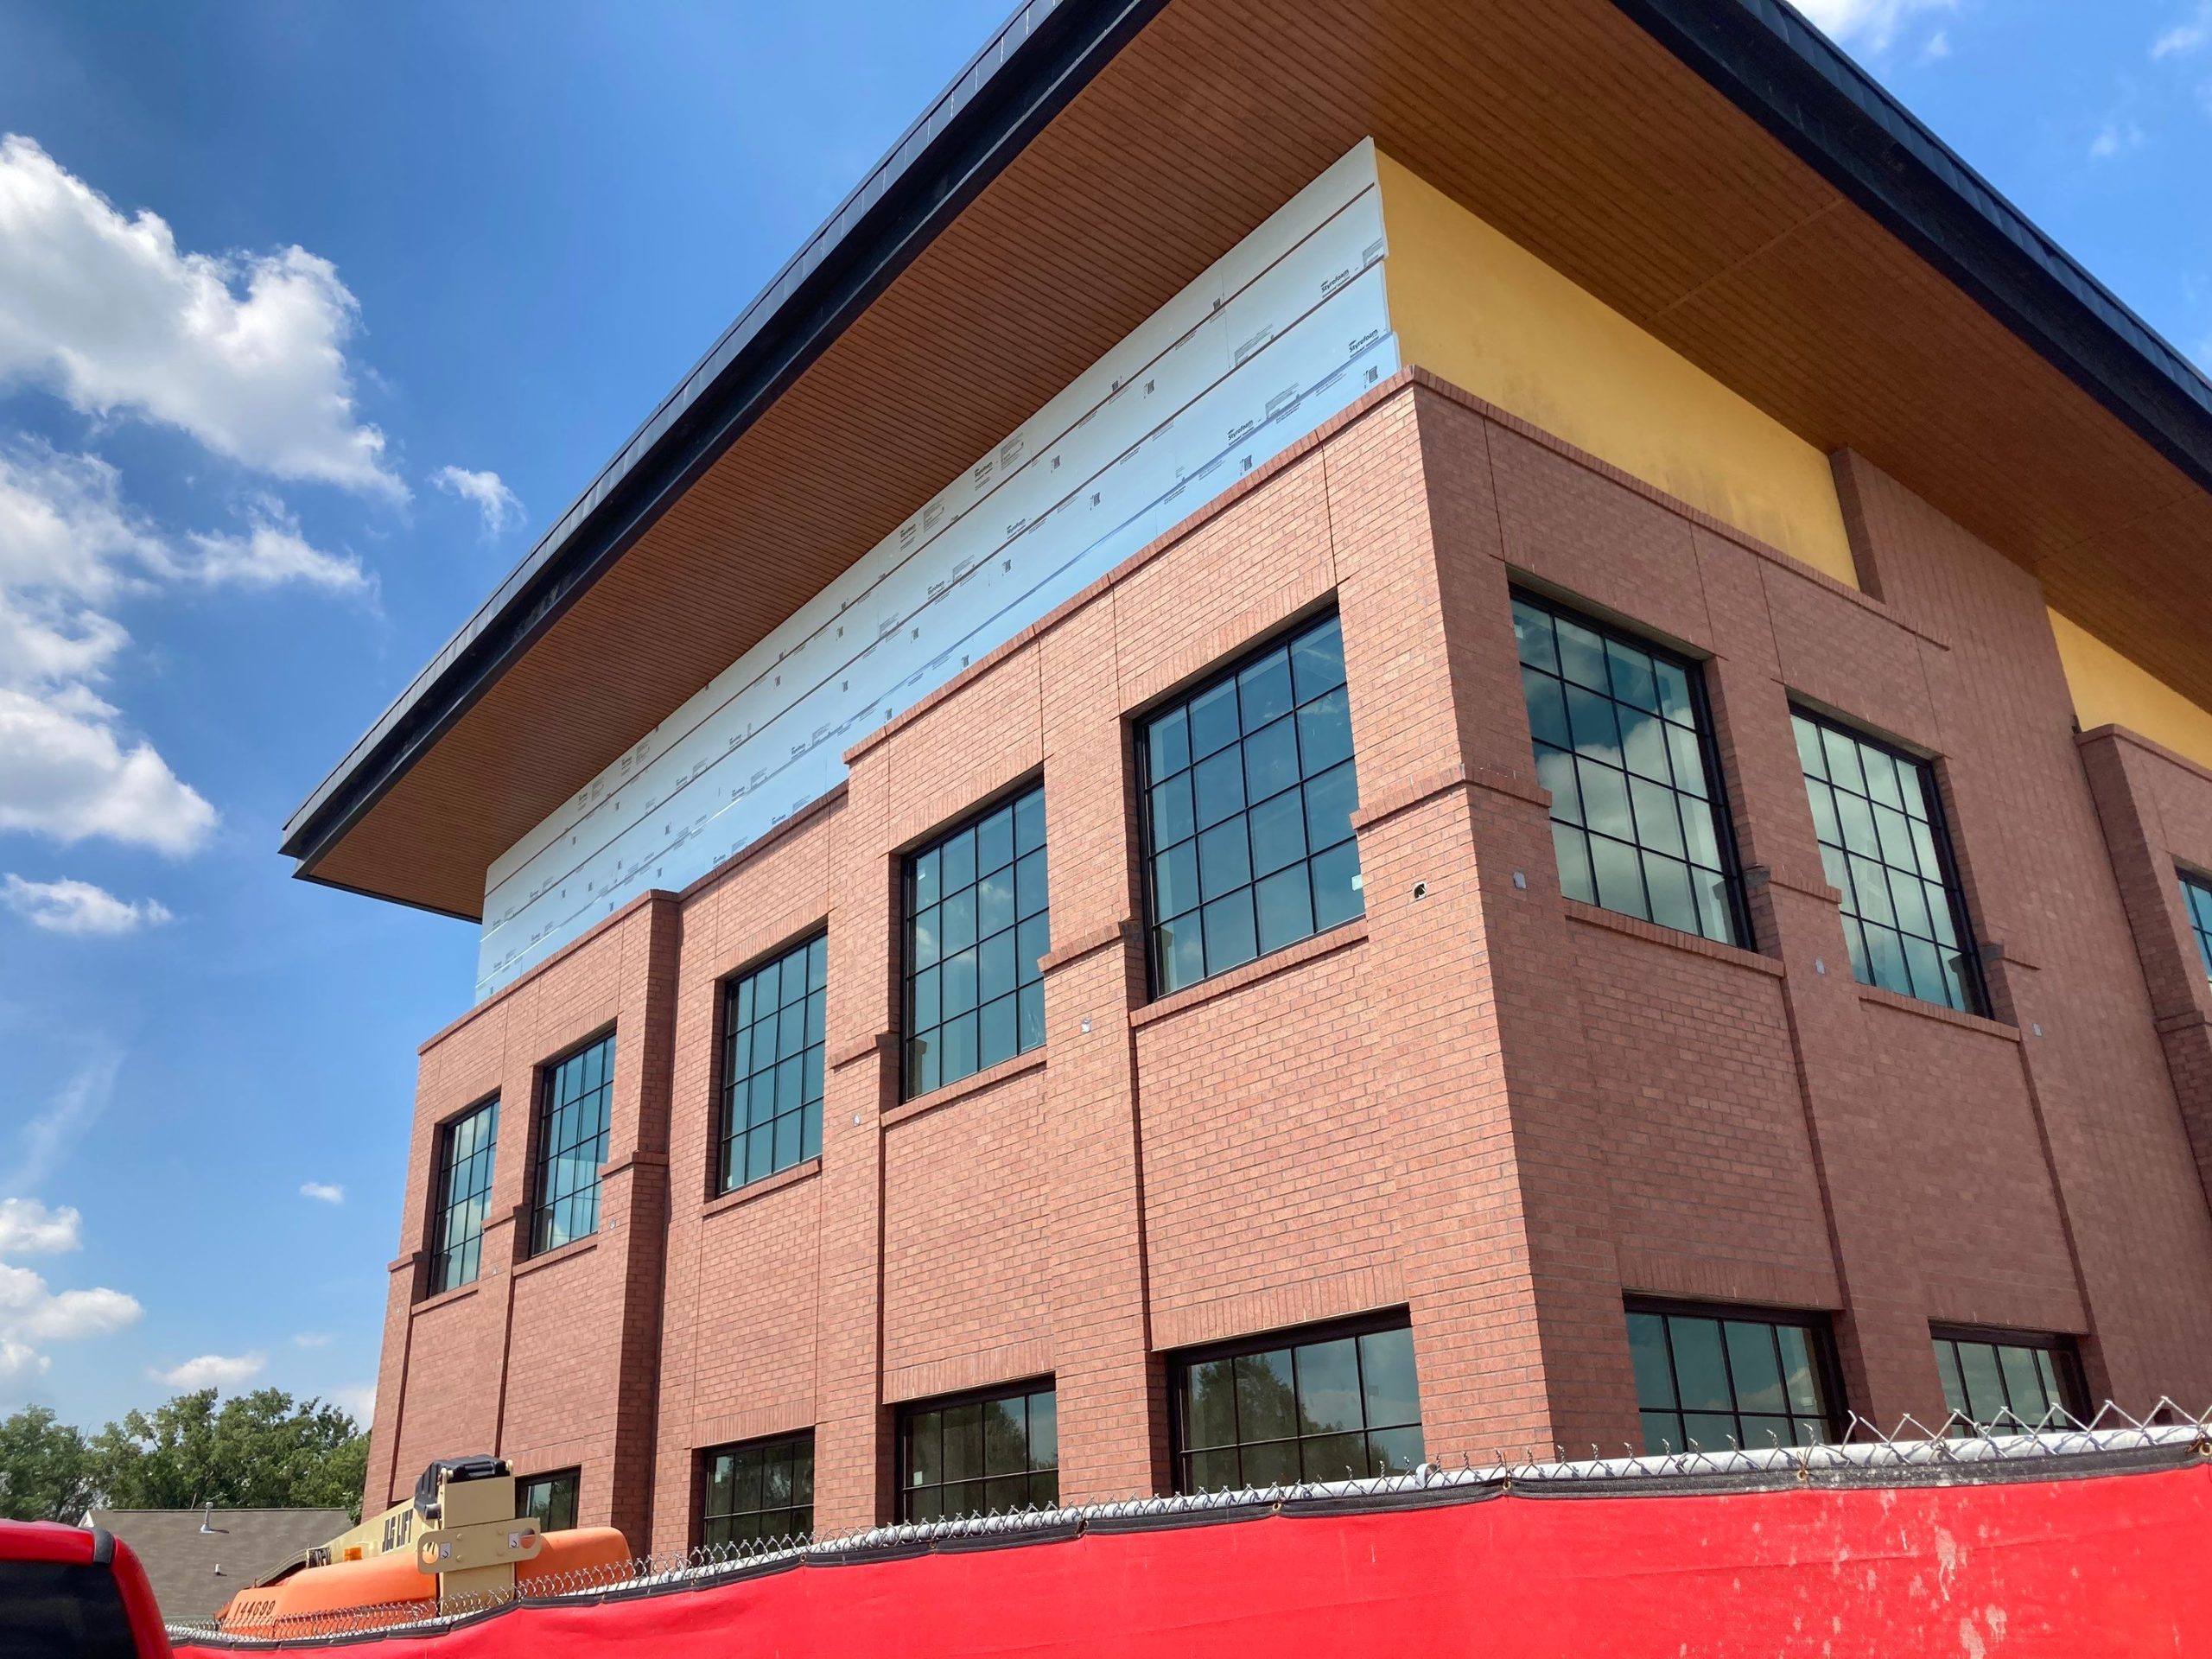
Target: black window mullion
x=461, y=1188
x=755, y=1004
x=1972, y=996
x=949, y=1495
x=1182, y=948
x=2196, y=906
x=562, y=1198
x=1244, y=1443
x=1825, y=1398
x=1723, y=820
x=767, y=1521
x=929, y=1060
x=1675, y=1372
x=2066, y=1392
x=1551, y=694
x=1939, y=827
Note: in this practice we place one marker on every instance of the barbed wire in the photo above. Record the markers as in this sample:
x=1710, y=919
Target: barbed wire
x=1954, y=1448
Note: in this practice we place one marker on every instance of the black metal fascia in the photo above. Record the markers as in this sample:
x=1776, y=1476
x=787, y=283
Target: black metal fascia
x=1781, y=71
x=1036, y=62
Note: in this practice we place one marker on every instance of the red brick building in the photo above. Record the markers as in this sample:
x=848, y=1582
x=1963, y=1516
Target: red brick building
x=1608, y=858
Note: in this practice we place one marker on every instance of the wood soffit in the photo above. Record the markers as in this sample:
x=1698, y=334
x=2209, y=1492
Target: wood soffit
x=1562, y=124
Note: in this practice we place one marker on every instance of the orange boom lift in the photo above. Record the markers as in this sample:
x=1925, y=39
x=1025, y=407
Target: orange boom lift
x=455, y=1544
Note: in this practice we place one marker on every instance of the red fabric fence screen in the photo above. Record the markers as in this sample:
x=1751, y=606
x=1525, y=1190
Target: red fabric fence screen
x=2117, y=1564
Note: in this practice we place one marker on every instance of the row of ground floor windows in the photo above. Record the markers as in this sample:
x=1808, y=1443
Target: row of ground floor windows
x=1710, y=1380
x=1344, y=1401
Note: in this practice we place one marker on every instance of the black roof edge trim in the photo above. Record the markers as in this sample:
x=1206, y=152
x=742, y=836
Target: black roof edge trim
x=1029, y=70
x=1764, y=57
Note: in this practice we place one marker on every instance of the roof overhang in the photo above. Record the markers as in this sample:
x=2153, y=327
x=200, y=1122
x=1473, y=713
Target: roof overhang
x=1713, y=169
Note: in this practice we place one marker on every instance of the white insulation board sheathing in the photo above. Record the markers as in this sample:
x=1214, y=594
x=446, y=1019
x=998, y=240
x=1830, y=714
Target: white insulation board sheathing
x=1284, y=331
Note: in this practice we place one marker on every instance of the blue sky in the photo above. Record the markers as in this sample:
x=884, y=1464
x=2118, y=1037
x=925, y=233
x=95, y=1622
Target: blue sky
x=310, y=318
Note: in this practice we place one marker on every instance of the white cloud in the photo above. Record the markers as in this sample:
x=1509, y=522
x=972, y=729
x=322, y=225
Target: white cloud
x=68, y=906
x=66, y=542
x=499, y=506
x=63, y=526
x=72, y=1315
x=108, y=313
x=358, y=1400
x=2115, y=137
x=68, y=770
x=1875, y=22
x=213, y=1371
x=2192, y=35
x=322, y=1192
x=29, y=1228
x=31, y=1314
x=312, y=1339
x=246, y=355
x=48, y=1138
x=69, y=546
x=1938, y=47
x=272, y=551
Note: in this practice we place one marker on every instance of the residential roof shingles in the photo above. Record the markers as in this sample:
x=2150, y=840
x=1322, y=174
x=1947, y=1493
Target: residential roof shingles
x=197, y=1560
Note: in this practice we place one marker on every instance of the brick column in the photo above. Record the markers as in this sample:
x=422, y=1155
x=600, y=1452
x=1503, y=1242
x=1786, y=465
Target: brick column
x=2060, y=940
x=1881, y=1328
x=1508, y=1256
x=1504, y=1249
x=2150, y=891
x=633, y=1205
x=1112, y=1427
x=853, y=1453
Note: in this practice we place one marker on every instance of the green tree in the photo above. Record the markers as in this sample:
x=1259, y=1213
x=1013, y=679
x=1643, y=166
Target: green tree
x=255, y=1451
x=46, y=1469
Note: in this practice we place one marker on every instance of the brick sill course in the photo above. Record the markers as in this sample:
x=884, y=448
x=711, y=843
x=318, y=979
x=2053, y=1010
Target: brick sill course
x=568, y=1252
x=974, y=1084
x=1696, y=943
x=723, y=1202
x=1936, y=1011
x=448, y=1298
x=1343, y=937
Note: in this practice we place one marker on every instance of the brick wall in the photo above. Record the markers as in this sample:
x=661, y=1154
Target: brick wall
x=1485, y=1103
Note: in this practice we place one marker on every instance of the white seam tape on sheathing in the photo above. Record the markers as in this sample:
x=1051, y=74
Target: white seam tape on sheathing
x=1284, y=330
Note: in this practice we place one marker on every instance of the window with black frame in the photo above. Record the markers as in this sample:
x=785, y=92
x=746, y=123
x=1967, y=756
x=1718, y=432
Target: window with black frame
x=774, y=1024
x=2196, y=899
x=1329, y=1404
x=760, y=1492
x=1249, y=790
x=984, y=1453
x=549, y=1499
x=1624, y=744
x=463, y=1193
x=2008, y=1381
x=574, y=1098
x=978, y=919
x=1708, y=1379
x=1884, y=848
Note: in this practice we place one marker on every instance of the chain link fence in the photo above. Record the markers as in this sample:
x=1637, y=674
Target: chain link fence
x=1912, y=1452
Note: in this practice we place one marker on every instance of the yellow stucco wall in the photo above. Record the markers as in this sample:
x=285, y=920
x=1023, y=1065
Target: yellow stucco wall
x=2111, y=690
x=1486, y=315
